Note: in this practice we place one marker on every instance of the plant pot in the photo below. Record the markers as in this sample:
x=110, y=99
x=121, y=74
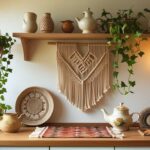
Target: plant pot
x=10, y=122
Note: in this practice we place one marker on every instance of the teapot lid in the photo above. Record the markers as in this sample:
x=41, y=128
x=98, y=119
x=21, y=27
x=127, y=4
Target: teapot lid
x=121, y=107
x=88, y=11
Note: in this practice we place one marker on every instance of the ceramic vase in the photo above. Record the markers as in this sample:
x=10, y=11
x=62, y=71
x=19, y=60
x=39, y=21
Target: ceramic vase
x=67, y=26
x=29, y=22
x=46, y=23
x=10, y=122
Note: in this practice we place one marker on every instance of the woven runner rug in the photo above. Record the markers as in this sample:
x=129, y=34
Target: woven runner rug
x=71, y=132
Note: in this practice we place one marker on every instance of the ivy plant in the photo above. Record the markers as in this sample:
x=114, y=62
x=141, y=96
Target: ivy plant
x=125, y=40
x=6, y=43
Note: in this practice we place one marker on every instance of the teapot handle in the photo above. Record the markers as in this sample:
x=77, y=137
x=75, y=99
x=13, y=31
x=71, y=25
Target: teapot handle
x=138, y=116
x=24, y=21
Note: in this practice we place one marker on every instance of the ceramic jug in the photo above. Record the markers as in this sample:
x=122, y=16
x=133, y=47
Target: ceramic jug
x=46, y=23
x=29, y=22
x=67, y=26
x=87, y=24
x=10, y=122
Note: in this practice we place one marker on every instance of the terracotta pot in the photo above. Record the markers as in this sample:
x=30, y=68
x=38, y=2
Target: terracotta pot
x=10, y=122
x=67, y=26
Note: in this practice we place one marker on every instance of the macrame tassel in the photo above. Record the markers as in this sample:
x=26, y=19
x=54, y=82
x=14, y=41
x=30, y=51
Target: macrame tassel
x=83, y=79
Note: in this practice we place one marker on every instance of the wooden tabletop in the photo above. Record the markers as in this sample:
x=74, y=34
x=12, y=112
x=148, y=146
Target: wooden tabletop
x=132, y=138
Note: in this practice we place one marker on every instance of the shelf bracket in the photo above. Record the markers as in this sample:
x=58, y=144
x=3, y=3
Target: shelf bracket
x=25, y=45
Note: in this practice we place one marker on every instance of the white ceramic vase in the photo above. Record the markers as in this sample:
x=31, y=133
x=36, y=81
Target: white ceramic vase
x=29, y=22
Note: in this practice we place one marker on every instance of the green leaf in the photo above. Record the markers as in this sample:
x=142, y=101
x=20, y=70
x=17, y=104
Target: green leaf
x=5, y=52
x=8, y=107
x=126, y=92
x=115, y=74
x=125, y=58
x=10, y=56
x=123, y=84
x=141, y=53
x=8, y=62
x=6, y=74
x=131, y=62
x=3, y=106
x=132, y=83
x=2, y=98
x=138, y=34
x=115, y=64
x=3, y=68
x=133, y=57
x=9, y=70
x=4, y=90
x=4, y=59
x=130, y=71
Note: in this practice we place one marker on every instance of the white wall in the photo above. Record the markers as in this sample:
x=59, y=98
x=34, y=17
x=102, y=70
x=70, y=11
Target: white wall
x=42, y=70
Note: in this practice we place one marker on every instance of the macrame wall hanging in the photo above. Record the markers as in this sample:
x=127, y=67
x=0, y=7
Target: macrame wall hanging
x=83, y=79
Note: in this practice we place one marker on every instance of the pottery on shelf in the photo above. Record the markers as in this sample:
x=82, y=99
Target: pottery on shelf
x=46, y=23
x=87, y=24
x=29, y=22
x=67, y=26
x=10, y=122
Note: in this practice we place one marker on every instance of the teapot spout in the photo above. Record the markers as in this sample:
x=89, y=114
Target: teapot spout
x=20, y=117
x=77, y=19
x=106, y=115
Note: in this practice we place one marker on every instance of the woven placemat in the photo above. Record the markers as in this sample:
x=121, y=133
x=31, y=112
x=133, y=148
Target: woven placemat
x=71, y=132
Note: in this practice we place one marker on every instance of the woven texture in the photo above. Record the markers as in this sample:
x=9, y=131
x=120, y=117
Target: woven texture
x=76, y=132
x=83, y=79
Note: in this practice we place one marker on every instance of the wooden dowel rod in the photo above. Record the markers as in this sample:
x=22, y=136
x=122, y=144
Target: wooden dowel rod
x=85, y=43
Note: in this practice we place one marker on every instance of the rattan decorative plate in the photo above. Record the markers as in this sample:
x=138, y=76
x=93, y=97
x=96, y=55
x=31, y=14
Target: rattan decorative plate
x=144, y=119
x=36, y=104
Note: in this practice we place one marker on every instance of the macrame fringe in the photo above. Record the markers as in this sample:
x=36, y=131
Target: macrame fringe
x=83, y=80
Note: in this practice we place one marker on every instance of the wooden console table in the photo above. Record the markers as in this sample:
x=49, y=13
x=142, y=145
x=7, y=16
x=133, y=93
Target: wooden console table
x=133, y=139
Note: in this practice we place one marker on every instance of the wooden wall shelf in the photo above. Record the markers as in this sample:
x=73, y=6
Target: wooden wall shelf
x=61, y=36
x=27, y=37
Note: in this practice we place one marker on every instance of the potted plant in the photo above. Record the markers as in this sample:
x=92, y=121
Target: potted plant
x=125, y=15
x=105, y=21
x=9, y=121
x=125, y=40
x=147, y=10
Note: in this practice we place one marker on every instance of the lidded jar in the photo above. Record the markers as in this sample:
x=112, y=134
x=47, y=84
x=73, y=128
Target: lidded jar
x=29, y=22
x=46, y=23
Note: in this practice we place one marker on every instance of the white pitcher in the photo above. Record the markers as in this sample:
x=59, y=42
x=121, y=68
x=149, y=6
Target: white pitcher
x=29, y=22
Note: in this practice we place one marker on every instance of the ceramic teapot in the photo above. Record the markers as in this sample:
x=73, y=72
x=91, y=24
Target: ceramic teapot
x=87, y=24
x=120, y=119
x=10, y=122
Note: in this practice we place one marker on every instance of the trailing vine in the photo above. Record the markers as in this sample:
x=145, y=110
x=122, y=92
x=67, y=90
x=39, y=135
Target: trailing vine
x=6, y=43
